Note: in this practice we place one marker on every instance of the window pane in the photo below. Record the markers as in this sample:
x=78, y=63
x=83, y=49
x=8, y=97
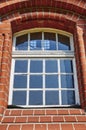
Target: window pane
x=35, y=41
x=19, y=98
x=51, y=66
x=36, y=81
x=67, y=81
x=21, y=66
x=52, y=98
x=49, y=41
x=51, y=81
x=36, y=66
x=35, y=97
x=20, y=81
x=66, y=66
x=22, y=42
x=63, y=42
x=68, y=97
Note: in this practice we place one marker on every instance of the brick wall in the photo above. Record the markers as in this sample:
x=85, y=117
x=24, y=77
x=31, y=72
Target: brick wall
x=67, y=15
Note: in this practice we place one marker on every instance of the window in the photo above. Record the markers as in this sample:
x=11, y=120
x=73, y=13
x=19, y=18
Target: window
x=43, y=72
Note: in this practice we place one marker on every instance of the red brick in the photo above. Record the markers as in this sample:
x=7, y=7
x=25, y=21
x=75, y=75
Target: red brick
x=80, y=126
x=53, y=127
x=70, y=118
x=40, y=127
x=81, y=118
x=27, y=112
x=21, y=119
x=7, y=113
x=63, y=112
x=39, y=112
x=67, y=127
x=58, y=119
x=16, y=112
x=73, y=112
x=8, y=119
x=27, y=127
x=33, y=119
x=14, y=127
x=45, y=119
x=51, y=112
x=3, y=127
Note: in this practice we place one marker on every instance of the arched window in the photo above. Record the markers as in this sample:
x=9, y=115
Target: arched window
x=43, y=72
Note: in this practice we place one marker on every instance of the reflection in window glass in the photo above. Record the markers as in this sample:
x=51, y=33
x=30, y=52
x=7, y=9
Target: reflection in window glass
x=63, y=42
x=49, y=41
x=36, y=81
x=52, y=98
x=20, y=81
x=68, y=97
x=35, y=97
x=22, y=42
x=66, y=66
x=51, y=66
x=21, y=66
x=51, y=81
x=35, y=41
x=19, y=98
x=36, y=66
x=67, y=81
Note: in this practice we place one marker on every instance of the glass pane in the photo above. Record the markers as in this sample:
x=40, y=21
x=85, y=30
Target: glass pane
x=66, y=66
x=19, y=98
x=21, y=66
x=35, y=97
x=68, y=97
x=49, y=41
x=63, y=42
x=35, y=41
x=22, y=42
x=52, y=98
x=51, y=81
x=20, y=81
x=36, y=81
x=51, y=66
x=36, y=66
x=67, y=81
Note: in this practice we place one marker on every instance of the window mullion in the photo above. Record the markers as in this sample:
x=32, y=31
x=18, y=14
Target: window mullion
x=28, y=41
x=14, y=43
x=28, y=76
x=12, y=81
x=59, y=74
x=75, y=83
x=43, y=41
x=56, y=41
x=43, y=82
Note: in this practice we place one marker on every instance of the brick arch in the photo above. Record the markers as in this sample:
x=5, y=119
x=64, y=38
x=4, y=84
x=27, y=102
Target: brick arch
x=76, y=6
x=42, y=19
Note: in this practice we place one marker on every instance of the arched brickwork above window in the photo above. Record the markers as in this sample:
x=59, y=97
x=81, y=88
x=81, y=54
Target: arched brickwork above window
x=60, y=12
x=76, y=6
x=40, y=19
